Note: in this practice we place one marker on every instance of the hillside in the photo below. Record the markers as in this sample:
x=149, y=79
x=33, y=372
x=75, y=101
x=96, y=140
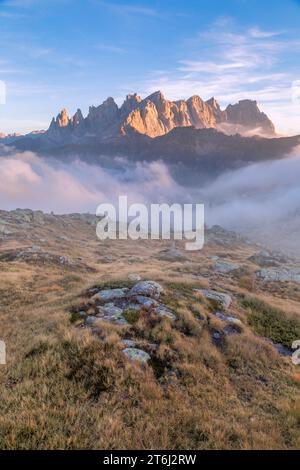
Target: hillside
x=214, y=368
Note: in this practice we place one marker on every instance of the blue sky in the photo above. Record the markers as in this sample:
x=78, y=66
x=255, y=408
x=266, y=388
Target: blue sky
x=75, y=53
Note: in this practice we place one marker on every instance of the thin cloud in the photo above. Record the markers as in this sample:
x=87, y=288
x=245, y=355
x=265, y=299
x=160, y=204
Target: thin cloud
x=128, y=9
x=110, y=48
x=258, y=33
x=210, y=67
x=233, y=64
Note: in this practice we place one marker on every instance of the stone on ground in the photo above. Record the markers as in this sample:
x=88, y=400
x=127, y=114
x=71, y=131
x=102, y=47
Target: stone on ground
x=279, y=274
x=107, y=295
x=146, y=288
x=164, y=312
x=129, y=343
x=225, y=267
x=111, y=313
x=134, y=277
x=224, y=299
x=228, y=318
x=135, y=354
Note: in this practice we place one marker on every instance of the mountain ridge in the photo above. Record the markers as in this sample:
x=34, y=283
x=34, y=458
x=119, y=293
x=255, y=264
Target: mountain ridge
x=192, y=136
x=155, y=116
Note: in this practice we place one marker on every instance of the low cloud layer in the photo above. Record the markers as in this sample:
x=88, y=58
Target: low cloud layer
x=261, y=200
x=29, y=181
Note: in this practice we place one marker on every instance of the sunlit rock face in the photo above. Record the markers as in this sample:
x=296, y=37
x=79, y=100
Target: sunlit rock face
x=156, y=116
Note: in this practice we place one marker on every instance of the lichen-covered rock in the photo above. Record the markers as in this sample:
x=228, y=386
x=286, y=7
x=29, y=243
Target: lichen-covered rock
x=146, y=288
x=135, y=354
x=109, y=312
x=146, y=302
x=229, y=319
x=129, y=343
x=279, y=274
x=268, y=259
x=225, y=267
x=224, y=299
x=164, y=312
x=107, y=295
x=171, y=254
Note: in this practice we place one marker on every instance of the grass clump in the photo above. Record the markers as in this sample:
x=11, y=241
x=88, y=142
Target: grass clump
x=131, y=315
x=271, y=322
x=76, y=317
x=114, y=284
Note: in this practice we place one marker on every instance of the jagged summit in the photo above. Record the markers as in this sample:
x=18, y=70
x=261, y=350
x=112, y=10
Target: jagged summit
x=247, y=111
x=156, y=116
x=131, y=102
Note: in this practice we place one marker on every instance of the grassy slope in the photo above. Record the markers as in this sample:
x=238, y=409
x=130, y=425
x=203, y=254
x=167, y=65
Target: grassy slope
x=63, y=388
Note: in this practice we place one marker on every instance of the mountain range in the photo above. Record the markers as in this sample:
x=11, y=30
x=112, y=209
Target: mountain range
x=190, y=134
x=155, y=116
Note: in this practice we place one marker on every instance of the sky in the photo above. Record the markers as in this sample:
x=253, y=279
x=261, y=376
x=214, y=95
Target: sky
x=71, y=54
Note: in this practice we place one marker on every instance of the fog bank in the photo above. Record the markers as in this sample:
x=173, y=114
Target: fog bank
x=261, y=200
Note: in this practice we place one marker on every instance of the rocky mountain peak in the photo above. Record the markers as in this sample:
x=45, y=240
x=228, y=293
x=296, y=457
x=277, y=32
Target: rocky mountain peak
x=100, y=119
x=62, y=123
x=213, y=103
x=133, y=98
x=156, y=97
x=109, y=102
x=77, y=119
x=195, y=99
x=247, y=113
x=155, y=116
x=131, y=102
x=62, y=119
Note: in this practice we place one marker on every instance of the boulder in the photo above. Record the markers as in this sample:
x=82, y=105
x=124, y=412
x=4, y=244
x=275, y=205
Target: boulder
x=146, y=288
x=164, y=312
x=171, y=254
x=279, y=274
x=109, y=312
x=229, y=319
x=224, y=299
x=135, y=354
x=268, y=259
x=107, y=295
x=225, y=267
x=146, y=302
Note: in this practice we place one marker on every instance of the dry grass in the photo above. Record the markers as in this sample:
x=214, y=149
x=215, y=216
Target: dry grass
x=64, y=388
